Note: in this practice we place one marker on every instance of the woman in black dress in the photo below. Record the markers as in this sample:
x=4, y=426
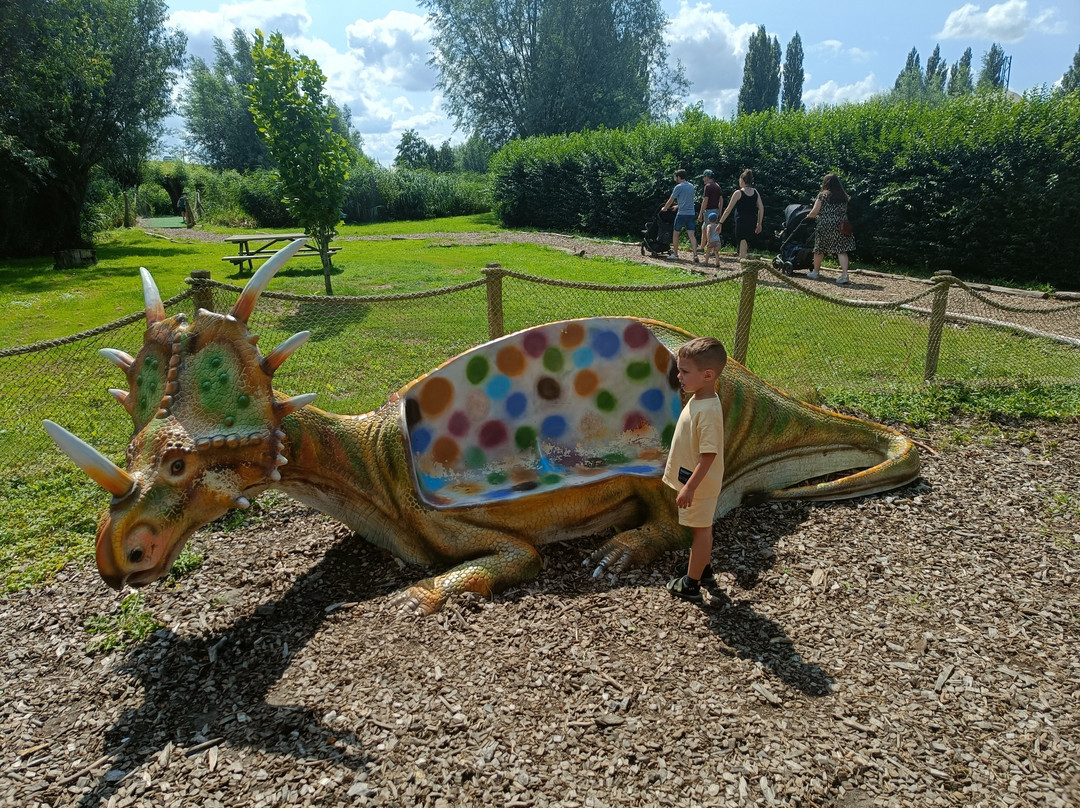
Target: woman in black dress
x=830, y=209
x=749, y=211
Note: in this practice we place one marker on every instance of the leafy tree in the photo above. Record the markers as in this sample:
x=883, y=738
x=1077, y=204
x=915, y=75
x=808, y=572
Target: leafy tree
x=1070, y=82
x=443, y=161
x=995, y=66
x=78, y=77
x=413, y=151
x=515, y=68
x=217, y=111
x=936, y=73
x=125, y=164
x=910, y=84
x=473, y=155
x=793, y=74
x=761, y=74
x=296, y=121
x=960, y=82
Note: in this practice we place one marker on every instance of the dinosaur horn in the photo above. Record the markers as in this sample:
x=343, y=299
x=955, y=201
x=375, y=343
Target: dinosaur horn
x=277, y=357
x=294, y=403
x=119, y=395
x=245, y=304
x=155, y=309
x=100, y=469
x=122, y=360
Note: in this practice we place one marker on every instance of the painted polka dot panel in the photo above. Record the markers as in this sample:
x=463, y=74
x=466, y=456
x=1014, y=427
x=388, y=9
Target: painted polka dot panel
x=563, y=404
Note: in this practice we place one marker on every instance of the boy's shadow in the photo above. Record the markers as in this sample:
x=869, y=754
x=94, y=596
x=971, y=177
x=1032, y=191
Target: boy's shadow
x=189, y=699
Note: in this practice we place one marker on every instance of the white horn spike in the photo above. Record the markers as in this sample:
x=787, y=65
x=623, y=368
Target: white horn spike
x=277, y=357
x=99, y=468
x=122, y=360
x=155, y=310
x=245, y=304
x=294, y=403
x=119, y=395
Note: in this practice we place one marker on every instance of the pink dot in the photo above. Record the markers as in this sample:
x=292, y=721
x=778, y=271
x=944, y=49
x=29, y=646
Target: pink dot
x=492, y=434
x=458, y=425
x=534, y=343
x=635, y=421
x=636, y=335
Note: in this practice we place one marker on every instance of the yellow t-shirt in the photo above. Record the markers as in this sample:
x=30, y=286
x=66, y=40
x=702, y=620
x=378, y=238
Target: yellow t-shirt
x=699, y=430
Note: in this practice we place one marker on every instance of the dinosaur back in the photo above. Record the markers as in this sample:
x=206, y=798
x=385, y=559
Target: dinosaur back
x=555, y=406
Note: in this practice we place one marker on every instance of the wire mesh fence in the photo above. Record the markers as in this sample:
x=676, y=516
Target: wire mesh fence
x=364, y=348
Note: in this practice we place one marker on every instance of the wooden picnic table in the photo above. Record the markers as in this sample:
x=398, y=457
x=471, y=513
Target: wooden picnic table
x=260, y=246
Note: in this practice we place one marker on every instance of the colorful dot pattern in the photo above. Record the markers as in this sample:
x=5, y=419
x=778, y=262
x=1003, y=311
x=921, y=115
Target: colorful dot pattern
x=559, y=405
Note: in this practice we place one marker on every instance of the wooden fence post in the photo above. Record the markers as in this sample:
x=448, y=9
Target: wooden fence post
x=746, y=311
x=202, y=297
x=942, y=282
x=494, y=275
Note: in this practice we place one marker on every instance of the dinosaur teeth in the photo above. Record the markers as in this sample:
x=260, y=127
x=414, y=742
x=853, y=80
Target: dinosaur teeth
x=241, y=502
x=155, y=309
x=282, y=460
x=275, y=475
x=122, y=360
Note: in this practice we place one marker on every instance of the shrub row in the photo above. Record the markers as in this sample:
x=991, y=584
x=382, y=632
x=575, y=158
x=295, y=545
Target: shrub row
x=984, y=186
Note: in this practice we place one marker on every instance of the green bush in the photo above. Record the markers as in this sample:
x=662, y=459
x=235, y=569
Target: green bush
x=260, y=198
x=984, y=186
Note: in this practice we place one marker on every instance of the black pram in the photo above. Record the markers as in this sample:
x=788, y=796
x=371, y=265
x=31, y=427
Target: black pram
x=793, y=254
x=657, y=233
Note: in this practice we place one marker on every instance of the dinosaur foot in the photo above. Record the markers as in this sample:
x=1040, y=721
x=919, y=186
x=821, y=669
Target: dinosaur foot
x=636, y=547
x=417, y=601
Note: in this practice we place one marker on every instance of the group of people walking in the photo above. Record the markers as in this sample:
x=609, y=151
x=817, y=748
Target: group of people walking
x=748, y=211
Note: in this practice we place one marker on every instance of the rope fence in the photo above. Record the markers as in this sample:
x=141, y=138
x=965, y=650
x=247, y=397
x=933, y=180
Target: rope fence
x=363, y=348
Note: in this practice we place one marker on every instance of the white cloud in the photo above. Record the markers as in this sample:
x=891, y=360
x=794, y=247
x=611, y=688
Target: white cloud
x=1004, y=22
x=712, y=50
x=834, y=48
x=831, y=93
x=394, y=50
x=290, y=17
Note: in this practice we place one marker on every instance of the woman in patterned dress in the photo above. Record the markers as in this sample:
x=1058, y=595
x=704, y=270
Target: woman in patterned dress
x=830, y=208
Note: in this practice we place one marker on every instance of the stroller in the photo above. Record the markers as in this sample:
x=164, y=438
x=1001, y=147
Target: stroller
x=793, y=254
x=657, y=233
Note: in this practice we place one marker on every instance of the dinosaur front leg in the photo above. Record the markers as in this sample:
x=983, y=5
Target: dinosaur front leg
x=642, y=545
x=508, y=561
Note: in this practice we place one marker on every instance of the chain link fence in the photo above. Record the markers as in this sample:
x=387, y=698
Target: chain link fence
x=364, y=348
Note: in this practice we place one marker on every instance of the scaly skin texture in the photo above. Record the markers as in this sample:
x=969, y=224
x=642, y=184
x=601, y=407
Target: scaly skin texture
x=211, y=432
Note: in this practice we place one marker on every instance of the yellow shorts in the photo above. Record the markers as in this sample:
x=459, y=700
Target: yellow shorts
x=701, y=512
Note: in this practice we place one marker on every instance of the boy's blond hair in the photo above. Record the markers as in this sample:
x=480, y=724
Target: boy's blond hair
x=708, y=353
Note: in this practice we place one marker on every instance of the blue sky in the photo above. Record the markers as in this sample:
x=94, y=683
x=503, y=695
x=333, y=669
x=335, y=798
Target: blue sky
x=375, y=53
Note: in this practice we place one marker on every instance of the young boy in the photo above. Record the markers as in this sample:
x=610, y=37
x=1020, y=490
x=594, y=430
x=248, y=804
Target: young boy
x=711, y=237
x=695, y=464
x=682, y=198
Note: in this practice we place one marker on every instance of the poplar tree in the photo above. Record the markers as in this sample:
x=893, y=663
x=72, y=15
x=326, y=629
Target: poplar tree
x=760, y=89
x=793, y=75
x=994, y=66
x=1070, y=82
x=960, y=77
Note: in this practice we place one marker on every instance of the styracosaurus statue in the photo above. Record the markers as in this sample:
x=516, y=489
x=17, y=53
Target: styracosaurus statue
x=552, y=433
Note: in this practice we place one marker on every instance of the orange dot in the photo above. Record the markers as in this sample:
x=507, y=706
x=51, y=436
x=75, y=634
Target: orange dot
x=586, y=382
x=435, y=395
x=445, y=450
x=573, y=334
x=662, y=358
x=510, y=360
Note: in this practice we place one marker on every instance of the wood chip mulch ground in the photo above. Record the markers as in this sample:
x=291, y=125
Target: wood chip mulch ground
x=911, y=649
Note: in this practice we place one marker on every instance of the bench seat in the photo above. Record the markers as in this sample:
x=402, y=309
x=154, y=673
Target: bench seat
x=262, y=255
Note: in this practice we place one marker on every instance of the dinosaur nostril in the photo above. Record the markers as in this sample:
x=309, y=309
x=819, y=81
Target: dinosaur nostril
x=136, y=555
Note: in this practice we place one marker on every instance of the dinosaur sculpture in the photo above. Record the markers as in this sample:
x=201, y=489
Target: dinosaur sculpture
x=549, y=434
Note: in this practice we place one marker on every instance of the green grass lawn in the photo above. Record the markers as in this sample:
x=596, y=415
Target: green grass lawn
x=360, y=353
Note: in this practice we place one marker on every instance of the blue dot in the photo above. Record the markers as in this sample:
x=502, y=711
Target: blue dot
x=606, y=343
x=553, y=426
x=498, y=387
x=638, y=470
x=499, y=493
x=676, y=407
x=421, y=439
x=516, y=404
x=652, y=399
x=583, y=357
x=431, y=483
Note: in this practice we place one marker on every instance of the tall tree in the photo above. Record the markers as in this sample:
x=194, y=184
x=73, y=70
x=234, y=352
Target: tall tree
x=936, y=73
x=910, y=84
x=473, y=155
x=1070, y=82
x=77, y=76
x=514, y=68
x=960, y=82
x=995, y=67
x=793, y=75
x=217, y=111
x=413, y=151
x=761, y=74
x=296, y=120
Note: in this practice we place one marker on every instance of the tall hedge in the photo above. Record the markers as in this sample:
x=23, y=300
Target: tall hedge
x=984, y=186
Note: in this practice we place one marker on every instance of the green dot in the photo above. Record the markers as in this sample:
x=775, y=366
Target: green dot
x=615, y=458
x=667, y=435
x=229, y=420
x=605, y=401
x=550, y=479
x=205, y=384
x=139, y=379
x=496, y=478
x=142, y=401
x=215, y=362
x=477, y=369
x=639, y=370
x=223, y=377
x=474, y=458
x=553, y=360
x=152, y=385
x=525, y=437
x=243, y=400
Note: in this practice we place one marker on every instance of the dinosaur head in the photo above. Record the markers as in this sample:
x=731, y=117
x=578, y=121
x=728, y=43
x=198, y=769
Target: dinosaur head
x=207, y=431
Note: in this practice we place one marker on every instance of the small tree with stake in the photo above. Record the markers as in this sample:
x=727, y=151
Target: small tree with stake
x=296, y=121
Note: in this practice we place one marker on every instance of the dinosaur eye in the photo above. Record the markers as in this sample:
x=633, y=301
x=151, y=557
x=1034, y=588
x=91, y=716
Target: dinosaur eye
x=177, y=467
x=136, y=555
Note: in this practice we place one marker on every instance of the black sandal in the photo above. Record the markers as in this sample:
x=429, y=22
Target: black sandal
x=685, y=588
x=708, y=578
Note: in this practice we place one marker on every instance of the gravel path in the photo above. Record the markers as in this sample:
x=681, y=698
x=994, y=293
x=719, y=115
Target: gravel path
x=911, y=649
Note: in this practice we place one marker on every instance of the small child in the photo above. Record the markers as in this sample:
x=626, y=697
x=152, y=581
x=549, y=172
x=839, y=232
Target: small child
x=695, y=464
x=712, y=238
